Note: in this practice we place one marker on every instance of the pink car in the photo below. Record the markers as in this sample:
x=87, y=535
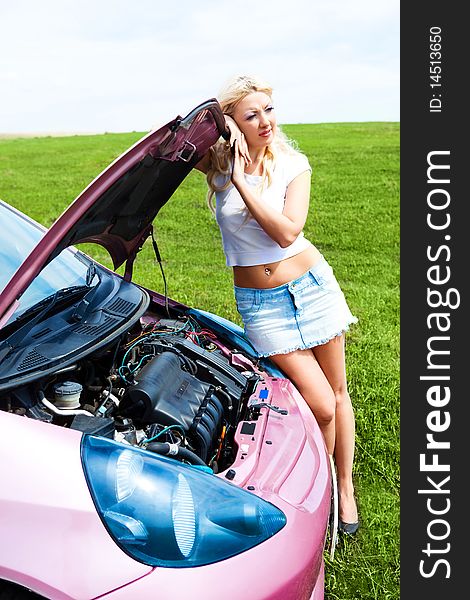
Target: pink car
x=146, y=451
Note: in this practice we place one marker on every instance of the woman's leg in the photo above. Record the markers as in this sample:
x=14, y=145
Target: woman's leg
x=320, y=376
x=331, y=359
x=302, y=368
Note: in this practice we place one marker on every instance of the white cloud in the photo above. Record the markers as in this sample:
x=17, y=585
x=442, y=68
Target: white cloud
x=115, y=65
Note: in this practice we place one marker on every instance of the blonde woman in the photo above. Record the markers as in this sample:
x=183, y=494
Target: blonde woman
x=291, y=305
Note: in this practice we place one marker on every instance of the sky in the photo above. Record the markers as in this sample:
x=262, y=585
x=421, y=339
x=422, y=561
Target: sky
x=93, y=66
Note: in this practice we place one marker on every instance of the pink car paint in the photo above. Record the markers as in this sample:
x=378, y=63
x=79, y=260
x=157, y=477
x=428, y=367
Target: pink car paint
x=54, y=542
x=52, y=539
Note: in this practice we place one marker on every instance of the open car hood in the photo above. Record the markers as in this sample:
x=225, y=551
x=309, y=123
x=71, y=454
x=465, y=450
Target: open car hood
x=117, y=208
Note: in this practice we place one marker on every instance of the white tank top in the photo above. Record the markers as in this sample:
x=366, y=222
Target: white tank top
x=245, y=242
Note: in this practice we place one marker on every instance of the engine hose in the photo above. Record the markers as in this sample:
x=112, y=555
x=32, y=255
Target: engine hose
x=168, y=449
x=224, y=394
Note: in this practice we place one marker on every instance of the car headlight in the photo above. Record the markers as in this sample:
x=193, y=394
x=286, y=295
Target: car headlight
x=165, y=513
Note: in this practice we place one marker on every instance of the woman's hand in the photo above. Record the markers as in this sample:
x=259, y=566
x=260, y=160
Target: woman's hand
x=237, y=136
x=236, y=139
x=238, y=170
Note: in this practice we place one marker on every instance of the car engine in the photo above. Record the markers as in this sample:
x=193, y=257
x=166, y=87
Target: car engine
x=168, y=386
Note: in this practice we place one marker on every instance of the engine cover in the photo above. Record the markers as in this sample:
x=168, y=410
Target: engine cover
x=165, y=394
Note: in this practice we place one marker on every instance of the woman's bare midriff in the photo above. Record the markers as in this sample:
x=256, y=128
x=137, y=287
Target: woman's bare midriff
x=271, y=275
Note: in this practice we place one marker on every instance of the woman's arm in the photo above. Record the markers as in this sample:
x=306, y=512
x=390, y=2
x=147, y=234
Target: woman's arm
x=235, y=136
x=284, y=227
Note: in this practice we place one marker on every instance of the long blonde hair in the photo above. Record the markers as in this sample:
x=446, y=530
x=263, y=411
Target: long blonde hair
x=221, y=159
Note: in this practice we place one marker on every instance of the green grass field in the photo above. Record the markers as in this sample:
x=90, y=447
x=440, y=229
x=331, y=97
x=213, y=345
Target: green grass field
x=353, y=220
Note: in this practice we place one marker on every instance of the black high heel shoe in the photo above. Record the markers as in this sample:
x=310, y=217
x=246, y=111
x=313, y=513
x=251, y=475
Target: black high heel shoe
x=348, y=528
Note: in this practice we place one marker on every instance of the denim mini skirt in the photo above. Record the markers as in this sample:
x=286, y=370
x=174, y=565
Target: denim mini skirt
x=306, y=312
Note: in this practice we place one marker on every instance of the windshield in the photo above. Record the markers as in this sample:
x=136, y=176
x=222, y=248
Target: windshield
x=17, y=238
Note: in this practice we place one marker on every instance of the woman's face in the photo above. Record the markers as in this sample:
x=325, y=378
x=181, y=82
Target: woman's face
x=255, y=117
